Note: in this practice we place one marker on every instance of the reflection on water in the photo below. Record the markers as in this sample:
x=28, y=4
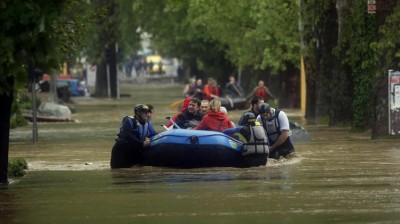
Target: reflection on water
x=339, y=177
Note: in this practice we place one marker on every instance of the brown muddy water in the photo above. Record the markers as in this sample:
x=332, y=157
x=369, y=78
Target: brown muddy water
x=339, y=177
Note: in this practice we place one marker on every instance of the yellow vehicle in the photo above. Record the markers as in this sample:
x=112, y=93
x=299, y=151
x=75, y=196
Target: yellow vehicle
x=154, y=62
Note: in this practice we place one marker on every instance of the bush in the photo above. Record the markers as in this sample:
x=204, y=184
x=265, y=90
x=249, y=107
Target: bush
x=21, y=103
x=17, y=167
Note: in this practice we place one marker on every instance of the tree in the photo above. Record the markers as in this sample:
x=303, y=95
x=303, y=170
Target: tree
x=172, y=35
x=388, y=57
x=319, y=36
x=252, y=35
x=260, y=37
x=357, y=32
x=115, y=31
x=342, y=89
x=259, y=34
x=32, y=32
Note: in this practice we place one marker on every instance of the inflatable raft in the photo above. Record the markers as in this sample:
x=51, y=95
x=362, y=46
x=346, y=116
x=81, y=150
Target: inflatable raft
x=234, y=103
x=182, y=148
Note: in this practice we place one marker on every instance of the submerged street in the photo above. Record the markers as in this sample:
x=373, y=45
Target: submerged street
x=330, y=67
x=338, y=176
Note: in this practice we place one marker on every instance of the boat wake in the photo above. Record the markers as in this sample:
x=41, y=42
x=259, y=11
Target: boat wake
x=47, y=166
x=292, y=159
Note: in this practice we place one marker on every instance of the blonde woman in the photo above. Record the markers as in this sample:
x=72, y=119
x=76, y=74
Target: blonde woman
x=215, y=119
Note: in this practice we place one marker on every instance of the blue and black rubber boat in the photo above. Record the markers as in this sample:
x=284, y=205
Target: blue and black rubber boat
x=182, y=148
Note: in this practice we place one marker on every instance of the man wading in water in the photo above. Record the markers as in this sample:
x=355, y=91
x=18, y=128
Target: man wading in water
x=276, y=126
x=134, y=135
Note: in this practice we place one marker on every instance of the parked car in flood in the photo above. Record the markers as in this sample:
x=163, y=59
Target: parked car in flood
x=75, y=86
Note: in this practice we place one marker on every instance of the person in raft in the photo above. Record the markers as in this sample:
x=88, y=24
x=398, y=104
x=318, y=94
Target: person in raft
x=215, y=119
x=188, y=118
x=252, y=134
x=134, y=135
x=255, y=102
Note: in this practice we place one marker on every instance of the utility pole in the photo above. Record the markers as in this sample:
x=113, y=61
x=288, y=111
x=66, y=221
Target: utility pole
x=116, y=68
x=53, y=87
x=31, y=73
x=108, y=81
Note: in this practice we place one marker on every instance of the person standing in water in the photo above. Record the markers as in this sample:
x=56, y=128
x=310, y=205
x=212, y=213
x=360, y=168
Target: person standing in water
x=134, y=135
x=276, y=125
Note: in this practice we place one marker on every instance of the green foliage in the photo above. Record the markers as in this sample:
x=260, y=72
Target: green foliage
x=44, y=32
x=358, y=37
x=115, y=23
x=257, y=33
x=128, y=37
x=23, y=101
x=20, y=104
x=17, y=167
x=167, y=26
x=388, y=48
x=17, y=119
x=172, y=35
x=252, y=33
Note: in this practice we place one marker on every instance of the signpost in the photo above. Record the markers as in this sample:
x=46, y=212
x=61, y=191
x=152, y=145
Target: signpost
x=394, y=102
x=32, y=77
x=372, y=6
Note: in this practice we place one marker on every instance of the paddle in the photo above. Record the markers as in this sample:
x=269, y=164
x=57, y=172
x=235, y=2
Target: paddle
x=173, y=122
x=166, y=128
x=175, y=104
x=237, y=90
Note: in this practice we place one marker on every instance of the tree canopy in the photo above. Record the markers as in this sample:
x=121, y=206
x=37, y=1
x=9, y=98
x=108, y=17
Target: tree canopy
x=43, y=32
x=34, y=34
x=346, y=50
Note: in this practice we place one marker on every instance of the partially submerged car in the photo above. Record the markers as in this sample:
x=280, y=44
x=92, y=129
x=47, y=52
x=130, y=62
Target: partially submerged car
x=75, y=86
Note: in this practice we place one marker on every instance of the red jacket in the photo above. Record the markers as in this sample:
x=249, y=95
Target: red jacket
x=208, y=90
x=185, y=103
x=262, y=92
x=214, y=121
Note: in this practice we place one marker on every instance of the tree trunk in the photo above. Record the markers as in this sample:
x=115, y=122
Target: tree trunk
x=342, y=83
x=309, y=45
x=248, y=79
x=106, y=78
x=380, y=121
x=290, y=94
x=327, y=39
x=319, y=37
x=6, y=100
x=111, y=56
x=101, y=80
x=309, y=67
x=380, y=125
x=112, y=62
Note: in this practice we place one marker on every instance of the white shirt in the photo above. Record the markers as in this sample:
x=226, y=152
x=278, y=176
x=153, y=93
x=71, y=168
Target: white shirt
x=282, y=118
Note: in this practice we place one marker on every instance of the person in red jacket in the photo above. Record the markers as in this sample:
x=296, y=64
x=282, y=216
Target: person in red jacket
x=215, y=119
x=263, y=91
x=211, y=90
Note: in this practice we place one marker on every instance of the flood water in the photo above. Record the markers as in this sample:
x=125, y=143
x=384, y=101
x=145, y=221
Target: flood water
x=339, y=177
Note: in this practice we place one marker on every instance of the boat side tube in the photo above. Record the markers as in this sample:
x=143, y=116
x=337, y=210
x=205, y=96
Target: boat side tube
x=255, y=149
x=198, y=148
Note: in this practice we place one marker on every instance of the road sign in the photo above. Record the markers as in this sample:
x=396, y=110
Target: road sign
x=394, y=102
x=372, y=6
